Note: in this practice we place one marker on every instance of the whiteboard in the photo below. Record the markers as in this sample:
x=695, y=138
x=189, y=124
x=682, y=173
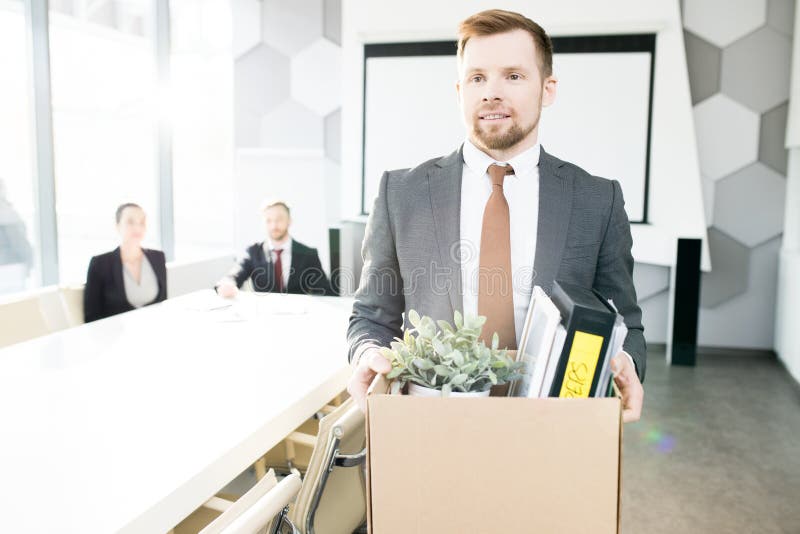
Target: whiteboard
x=600, y=120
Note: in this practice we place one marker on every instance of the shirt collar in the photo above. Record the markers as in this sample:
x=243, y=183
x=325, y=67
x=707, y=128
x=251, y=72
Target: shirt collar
x=479, y=161
x=270, y=246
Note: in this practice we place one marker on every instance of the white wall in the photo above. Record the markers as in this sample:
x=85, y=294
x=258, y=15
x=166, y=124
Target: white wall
x=787, y=324
x=306, y=180
x=676, y=208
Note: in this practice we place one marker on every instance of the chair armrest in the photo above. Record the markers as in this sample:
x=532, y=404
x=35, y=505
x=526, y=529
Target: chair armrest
x=283, y=519
x=349, y=460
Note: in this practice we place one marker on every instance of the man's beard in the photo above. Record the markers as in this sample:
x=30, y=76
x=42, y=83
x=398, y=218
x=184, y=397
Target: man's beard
x=280, y=237
x=502, y=140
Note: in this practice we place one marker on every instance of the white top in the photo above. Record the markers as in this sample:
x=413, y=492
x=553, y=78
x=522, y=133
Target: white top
x=286, y=257
x=131, y=423
x=522, y=193
x=146, y=289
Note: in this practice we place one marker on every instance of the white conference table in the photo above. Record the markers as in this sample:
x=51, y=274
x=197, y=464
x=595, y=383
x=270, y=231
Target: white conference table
x=130, y=423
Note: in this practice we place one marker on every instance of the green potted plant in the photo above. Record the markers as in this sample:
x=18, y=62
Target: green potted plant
x=448, y=361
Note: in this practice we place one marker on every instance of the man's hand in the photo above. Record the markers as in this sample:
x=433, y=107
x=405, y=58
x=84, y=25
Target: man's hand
x=227, y=290
x=370, y=364
x=629, y=386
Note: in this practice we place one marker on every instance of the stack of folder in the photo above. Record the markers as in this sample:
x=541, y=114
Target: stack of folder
x=567, y=344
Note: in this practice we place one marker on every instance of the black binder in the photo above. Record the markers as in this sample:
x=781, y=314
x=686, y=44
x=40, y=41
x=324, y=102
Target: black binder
x=589, y=321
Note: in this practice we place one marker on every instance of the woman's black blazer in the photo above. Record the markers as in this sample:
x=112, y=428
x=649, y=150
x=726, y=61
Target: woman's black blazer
x=104, y=294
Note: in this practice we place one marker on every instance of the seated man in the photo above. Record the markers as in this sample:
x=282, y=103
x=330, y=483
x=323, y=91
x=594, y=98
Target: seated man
x=279, y=264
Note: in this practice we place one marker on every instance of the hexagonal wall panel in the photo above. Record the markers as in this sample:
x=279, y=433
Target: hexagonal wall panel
x=317, y=77
x=649, y=279
x=261, y=80
x=333, y=136
x=749, y=204
x=292, y=126
x=703, y=60
x=755, y=69
x=722, y=22
x=729, y=267
x=247, y=129
x=289, y=26
x=708, y=199
x=332, y=20
x=780, y=15
x=727, y=136
x=772, y=139
x=247, y=24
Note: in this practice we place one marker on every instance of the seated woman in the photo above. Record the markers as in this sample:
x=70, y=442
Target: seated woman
x=129, y=276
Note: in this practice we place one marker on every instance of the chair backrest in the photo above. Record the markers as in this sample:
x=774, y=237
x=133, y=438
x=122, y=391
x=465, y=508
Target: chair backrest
x=257, y=508
x=185, y=277
x=52, y=309
x=22, y=319
x=72, y=302
x=339, y=494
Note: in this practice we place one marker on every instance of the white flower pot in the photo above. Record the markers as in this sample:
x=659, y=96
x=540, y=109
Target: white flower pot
x=415, y=390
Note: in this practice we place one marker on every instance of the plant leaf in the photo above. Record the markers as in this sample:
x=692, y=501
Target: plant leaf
x=413, y=318
x=459, y=379
x=427, y=328
x=438, y=346
x=423, y=364
x=395, y=372
x=458, y=320
x=444, y=326
x=443, y=370
x=493, y=378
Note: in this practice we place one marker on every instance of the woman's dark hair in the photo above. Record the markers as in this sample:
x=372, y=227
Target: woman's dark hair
x=122, y=207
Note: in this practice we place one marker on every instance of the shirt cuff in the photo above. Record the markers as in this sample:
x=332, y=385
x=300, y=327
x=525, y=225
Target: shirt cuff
x=365, y=345
x=632, y=361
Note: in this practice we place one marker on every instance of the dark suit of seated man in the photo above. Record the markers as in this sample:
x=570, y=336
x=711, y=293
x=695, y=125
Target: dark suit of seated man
x=279, y=264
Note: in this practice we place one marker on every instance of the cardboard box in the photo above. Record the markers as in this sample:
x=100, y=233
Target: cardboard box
x=492, y=465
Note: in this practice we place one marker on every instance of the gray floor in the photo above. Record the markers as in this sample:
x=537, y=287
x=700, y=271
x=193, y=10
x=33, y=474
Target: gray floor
x=717, y=449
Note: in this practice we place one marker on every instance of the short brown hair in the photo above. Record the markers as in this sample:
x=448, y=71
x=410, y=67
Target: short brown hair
x=273, y=203
x=495, y=21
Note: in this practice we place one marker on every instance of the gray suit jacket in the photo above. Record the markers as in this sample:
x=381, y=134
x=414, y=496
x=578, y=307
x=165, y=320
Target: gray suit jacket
x=412, y=252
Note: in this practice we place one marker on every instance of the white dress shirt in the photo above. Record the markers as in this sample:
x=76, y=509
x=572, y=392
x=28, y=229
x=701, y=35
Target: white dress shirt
x=286, y=257
x=522, y=193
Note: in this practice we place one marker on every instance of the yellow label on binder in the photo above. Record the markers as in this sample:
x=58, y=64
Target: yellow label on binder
x=581, y=365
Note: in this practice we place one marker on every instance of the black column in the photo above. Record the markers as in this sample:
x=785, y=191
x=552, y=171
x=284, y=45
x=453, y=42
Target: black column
x=687, y=302
x=335, y=243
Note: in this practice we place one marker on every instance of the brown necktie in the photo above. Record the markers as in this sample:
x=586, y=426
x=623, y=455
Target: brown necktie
x=279, y=271
x=495, y=288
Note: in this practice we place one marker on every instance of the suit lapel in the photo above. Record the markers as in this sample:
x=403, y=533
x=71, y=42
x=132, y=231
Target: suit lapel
x=116, y=272
x=555, y=209
x=444, y=183
x=295, y=268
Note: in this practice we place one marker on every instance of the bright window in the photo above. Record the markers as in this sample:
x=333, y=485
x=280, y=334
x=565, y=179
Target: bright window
x=201, y=109
x=104, y=86
x=18, y=248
